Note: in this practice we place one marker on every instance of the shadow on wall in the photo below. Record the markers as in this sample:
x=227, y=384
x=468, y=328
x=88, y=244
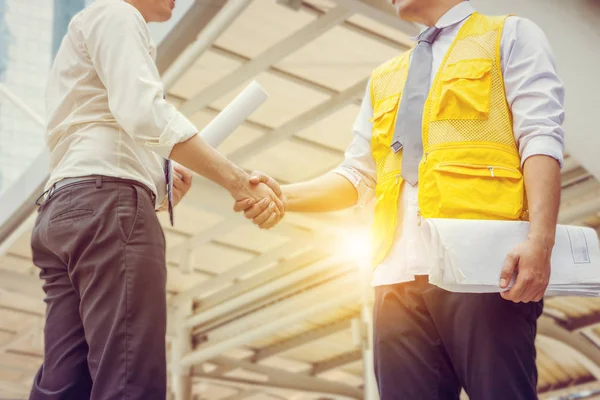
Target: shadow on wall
x=573, y=29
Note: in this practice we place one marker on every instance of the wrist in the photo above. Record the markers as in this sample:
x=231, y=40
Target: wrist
x=543, y=239
x=236, y=181
x=287, y=197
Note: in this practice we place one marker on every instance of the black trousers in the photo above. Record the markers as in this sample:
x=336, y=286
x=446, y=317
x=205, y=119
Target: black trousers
x=101, y=253
x=430, y=343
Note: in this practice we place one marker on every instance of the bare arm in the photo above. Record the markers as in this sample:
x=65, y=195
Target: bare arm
x=329, y=192
x=351, y=183
x=542, y=183
x=536, y=97
x=201, y=158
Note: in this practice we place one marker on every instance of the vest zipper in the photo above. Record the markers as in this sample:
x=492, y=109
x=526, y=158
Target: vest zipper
x=491, y=171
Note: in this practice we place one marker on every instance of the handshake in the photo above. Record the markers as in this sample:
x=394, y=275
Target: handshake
x=261, y=200
x=259, y=197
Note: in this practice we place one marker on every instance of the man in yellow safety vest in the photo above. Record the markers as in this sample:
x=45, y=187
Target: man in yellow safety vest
x=460, y=126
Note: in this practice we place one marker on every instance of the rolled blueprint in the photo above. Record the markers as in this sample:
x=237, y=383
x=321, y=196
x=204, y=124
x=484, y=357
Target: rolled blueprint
x=234, y=114
x=468, y=255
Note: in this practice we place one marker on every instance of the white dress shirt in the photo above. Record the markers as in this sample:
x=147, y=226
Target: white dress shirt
x=105, y=107
x=535, y=96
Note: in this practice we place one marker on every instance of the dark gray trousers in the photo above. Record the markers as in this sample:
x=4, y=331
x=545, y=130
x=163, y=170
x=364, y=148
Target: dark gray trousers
x=101, y=253
x=430, y=343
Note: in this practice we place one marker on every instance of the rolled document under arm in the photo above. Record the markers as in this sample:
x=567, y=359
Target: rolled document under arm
x=468, y=255
x=234, y=114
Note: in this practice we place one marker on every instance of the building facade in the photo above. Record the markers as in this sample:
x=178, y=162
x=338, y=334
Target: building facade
x=30, y=34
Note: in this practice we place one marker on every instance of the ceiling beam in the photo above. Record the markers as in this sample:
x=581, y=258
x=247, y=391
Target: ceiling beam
x=588, y=390
x=573, y=324
x=293, y=342
x=403, y=45
x=581, y=189
x=303, y=339
x=276, y=71
x=380, y=11
x=336, y=362
x=277, y=316
x=264, y=60
x=300, y=122
x=274, y=273
x=243, y=394
x=15, y=388
x=30, y=330
x=586, y=353
x=237, y=272
x=248, y=291
x=569, y=164
x=279, y=378
x=281, y=306
x=186, y=31
x=579, y=211
x=15, y=282
x=229, y=12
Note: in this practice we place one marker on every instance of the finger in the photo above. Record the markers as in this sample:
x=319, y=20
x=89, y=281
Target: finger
x=517, y=292
x=259, y=177
x=177, y=182
x=264, y=216
x=270, y=222
x=186, y=174
x=540, y=296
x=510, y=263
x=257, y=209
x=243, y=205
x=535, y=286
x=538, y=293
x=279, y=206
x=529, y=293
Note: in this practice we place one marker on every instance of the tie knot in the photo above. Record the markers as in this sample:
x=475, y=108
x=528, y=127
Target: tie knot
x=429, y=35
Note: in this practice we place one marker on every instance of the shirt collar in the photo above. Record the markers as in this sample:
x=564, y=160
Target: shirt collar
x=456, y=14
x=453, y=16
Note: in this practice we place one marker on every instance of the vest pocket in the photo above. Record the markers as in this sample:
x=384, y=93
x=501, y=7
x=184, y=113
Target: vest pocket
x=384, y=113
x=472, y=191
x=465, y=90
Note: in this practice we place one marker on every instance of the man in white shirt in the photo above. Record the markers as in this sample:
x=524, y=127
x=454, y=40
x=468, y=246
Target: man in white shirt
x=428, y=342
x=97, y=239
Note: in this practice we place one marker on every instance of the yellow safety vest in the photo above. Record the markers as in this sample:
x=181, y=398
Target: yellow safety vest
x=471, y=167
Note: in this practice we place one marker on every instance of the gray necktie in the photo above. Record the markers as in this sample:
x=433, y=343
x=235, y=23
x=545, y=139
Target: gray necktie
x=407, y=132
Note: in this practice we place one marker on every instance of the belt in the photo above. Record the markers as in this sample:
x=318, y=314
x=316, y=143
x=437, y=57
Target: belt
x=98, y=180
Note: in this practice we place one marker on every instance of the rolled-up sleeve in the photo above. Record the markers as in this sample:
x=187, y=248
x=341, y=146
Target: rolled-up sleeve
x=534, y=91
x=118, y=43
x=358, y=165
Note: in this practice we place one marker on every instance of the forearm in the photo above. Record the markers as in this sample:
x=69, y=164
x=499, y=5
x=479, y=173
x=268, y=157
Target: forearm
x=542, y=184
x=329, y=192
x=203, y=159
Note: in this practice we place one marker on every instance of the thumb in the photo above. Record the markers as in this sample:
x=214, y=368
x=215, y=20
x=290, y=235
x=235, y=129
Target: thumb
x=258, y=177
x=508, y=270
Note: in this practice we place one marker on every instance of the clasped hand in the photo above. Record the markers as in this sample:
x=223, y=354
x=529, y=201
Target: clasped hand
x=261, y=200
x=530, y=261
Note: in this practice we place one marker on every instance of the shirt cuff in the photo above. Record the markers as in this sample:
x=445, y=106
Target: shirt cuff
x=544, y=146
x=178, y=130
x=365, y=192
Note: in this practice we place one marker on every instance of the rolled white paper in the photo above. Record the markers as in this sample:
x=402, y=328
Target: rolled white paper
x=234, y=114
